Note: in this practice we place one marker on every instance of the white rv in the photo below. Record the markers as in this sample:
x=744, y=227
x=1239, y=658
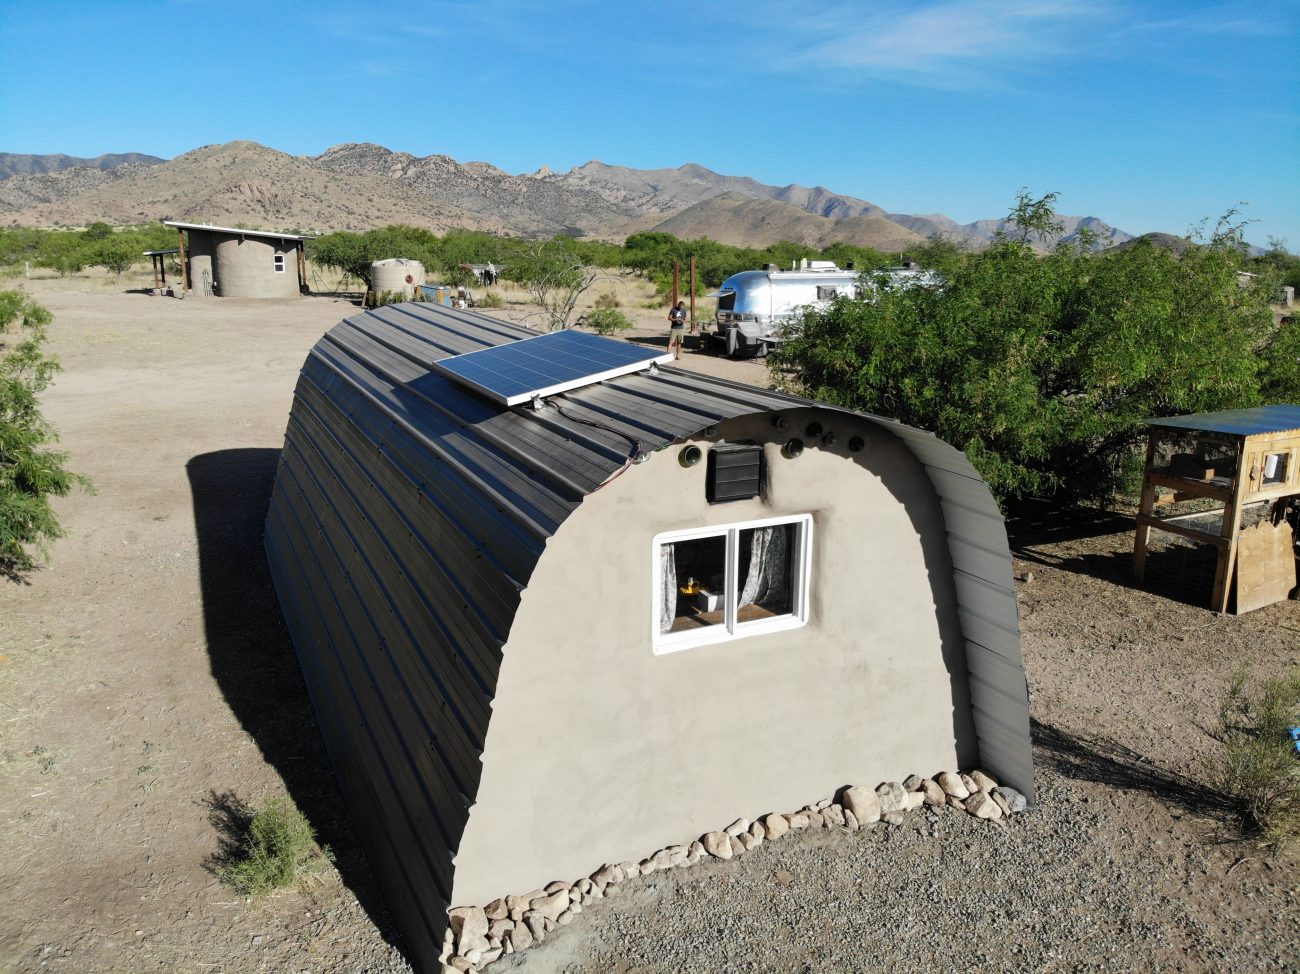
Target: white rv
x=754, y=305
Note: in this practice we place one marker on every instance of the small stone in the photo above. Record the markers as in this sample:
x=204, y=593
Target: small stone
x=647, y=867
x=799, y=820
x=952, y=785
x=954, y=802
x=913, y=800
x=969, y=782
x=738, y=826
x=850, y=821
x=497, y=910
x=507, y=947
x=583, y=886
x=695, y=853
x=519, y=905
x=1000, y=802
x=676, y=855
x=934, y=795
x=631, y=869
x=775, y=826
x=551, y=906
x=737, y=849
x=824, y=804
x=757, y=831
x=606, y=875
x=556, y=886
x=913, y=782
x=833, y=815
x=784, y=878
x=892, y=818
x=575, y=908
x=717, y=844
x=535, y=924
x=470, y=925
x=474, y=955
x=499, y=928
x=565, y=918
x=490, y=955
x=982, y=806
x=864, y=804
x=892, y=796
x=1014, y=799
x=460, y=964
x=748, y=842
x=982, y=781
x=521, y=937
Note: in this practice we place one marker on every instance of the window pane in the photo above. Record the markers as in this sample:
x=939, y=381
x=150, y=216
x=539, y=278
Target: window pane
x=694, y=576
x=766, y=572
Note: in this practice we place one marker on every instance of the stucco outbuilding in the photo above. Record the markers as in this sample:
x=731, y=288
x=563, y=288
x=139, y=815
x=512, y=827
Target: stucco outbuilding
x=544, y=637
x=236, y=263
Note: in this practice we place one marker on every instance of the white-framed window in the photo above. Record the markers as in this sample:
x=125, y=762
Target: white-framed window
x=279, y=263
x=730, y=581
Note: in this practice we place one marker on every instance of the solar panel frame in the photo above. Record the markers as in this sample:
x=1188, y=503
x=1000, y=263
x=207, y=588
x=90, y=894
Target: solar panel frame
x=545, y=365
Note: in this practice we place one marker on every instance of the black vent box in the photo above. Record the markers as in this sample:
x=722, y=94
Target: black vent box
x=735, y=473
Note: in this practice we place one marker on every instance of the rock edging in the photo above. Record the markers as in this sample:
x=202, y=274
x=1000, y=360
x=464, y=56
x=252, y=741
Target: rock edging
x=477, y=936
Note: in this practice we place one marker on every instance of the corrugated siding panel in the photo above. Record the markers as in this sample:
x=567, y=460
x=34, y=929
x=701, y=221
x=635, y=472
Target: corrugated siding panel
x=408, y=515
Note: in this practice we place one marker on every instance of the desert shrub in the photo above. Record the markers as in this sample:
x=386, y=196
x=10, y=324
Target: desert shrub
x=491, y=299
x=1259, y=767
x=606, y=321
x=607, y=299
x=30, y=474
x=278, y=845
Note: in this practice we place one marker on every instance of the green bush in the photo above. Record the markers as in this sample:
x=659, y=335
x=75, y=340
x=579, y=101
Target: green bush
x=606, y=321
x=1042, y=368
x=491, y=299
x=607, y=299
x=29, y=474
x=278, y=846
x=1259, y=767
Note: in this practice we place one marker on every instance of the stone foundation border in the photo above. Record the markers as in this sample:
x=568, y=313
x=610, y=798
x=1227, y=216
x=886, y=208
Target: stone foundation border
x=477, y=936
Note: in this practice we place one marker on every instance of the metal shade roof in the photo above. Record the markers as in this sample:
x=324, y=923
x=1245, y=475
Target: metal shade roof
x=237, y=231
x=1281, y=418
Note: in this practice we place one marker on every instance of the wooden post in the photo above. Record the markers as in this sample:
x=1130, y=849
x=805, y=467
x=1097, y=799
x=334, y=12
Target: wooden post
x=1230, y=529
x=156, y=260
x=185, y=265
x=302, y=267
x=676, y=273
x=692, y=293
x=1144, y=509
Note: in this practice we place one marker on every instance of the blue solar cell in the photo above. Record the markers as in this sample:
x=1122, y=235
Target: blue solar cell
x=546, y=365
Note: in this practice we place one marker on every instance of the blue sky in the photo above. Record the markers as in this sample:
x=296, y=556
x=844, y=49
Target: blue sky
x=1152, y=116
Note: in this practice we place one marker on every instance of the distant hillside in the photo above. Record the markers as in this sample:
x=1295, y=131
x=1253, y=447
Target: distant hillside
x=357, y=186
x=13, y=164
x=735, y=219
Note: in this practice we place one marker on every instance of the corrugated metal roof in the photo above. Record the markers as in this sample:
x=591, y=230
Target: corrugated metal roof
x=1281, y=418
x=408, y=515
x=237, y=231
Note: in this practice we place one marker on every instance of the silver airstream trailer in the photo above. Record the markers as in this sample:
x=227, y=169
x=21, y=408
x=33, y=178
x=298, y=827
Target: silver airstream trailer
x=753, y=306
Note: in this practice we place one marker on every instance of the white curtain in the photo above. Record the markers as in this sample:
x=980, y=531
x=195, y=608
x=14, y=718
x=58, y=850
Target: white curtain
x=767, y=575
x=668, y=587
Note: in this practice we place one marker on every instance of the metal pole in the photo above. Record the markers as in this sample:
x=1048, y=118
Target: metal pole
x=676, y=274
x=692, y=293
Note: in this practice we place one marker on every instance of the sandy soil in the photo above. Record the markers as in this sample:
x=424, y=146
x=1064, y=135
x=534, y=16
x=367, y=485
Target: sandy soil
x=145, y=676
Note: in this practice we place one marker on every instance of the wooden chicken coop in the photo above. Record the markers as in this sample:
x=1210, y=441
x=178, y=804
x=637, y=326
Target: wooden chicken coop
x=1246, y=460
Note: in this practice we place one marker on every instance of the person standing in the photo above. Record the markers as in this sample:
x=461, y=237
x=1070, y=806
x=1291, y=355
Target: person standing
x=677, y=329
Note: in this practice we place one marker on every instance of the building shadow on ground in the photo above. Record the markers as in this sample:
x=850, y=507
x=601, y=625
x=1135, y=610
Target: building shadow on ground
x=1176, y=570
x=253, y=661
x=1108, y=762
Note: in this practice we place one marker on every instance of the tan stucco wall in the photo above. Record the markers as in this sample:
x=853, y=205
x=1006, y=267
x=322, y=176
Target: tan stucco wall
x=245, y=267
x=601, y=751
x=199, y=256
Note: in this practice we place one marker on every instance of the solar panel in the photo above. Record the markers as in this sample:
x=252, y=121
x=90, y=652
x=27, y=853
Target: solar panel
x=546, y=364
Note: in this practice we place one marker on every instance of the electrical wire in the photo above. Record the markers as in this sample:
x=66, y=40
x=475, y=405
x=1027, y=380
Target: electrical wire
x=631, y=457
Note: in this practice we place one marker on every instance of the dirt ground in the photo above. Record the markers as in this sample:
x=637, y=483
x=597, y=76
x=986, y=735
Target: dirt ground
x=146, y=680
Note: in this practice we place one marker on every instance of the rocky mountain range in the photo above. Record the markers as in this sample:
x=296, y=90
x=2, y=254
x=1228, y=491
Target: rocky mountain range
x=360, y=186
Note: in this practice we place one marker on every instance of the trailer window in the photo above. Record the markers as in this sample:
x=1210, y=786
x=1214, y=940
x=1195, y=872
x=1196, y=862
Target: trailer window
x=827, y=293
x=731, y=581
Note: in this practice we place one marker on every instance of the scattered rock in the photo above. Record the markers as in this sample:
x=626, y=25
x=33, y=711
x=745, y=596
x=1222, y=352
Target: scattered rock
x=893, y=818
x=499, y=928
x=833, y=815
x=521, y=937
x=459, y=963
x=555, y=887
x=1017, y=802
x=553, y=905
x=604, y=876
x=490, y=955
x=737, y=848
x=983, y=781
x=738, y=826
x=934, y=795
x=497, y=910
x=583, y=886
x=982, y=806
x=892, y=796
x=969, y=782
x=717, y=844
x=955, y=802
x=850, y=820
x=695, y=853
x=913, y=800
x=535, y=924
x=952, y=785
x=757, y=831
x=519, y=905
x=798, y=820
x=913, y=782
x=864, y=804
x=1000, y=802
x=470, y=925
x=775, y=826
x=565, y=918
x=748, y=842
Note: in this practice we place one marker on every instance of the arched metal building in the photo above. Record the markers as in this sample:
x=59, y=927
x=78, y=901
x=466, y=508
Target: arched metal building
x=546, y=636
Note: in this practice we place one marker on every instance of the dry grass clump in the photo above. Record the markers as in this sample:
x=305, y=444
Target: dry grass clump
x=271, y=849
x=1260, y=767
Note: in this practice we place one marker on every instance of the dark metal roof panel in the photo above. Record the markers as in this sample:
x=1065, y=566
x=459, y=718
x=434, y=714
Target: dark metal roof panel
x=1281, y=418
x=409, y=513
